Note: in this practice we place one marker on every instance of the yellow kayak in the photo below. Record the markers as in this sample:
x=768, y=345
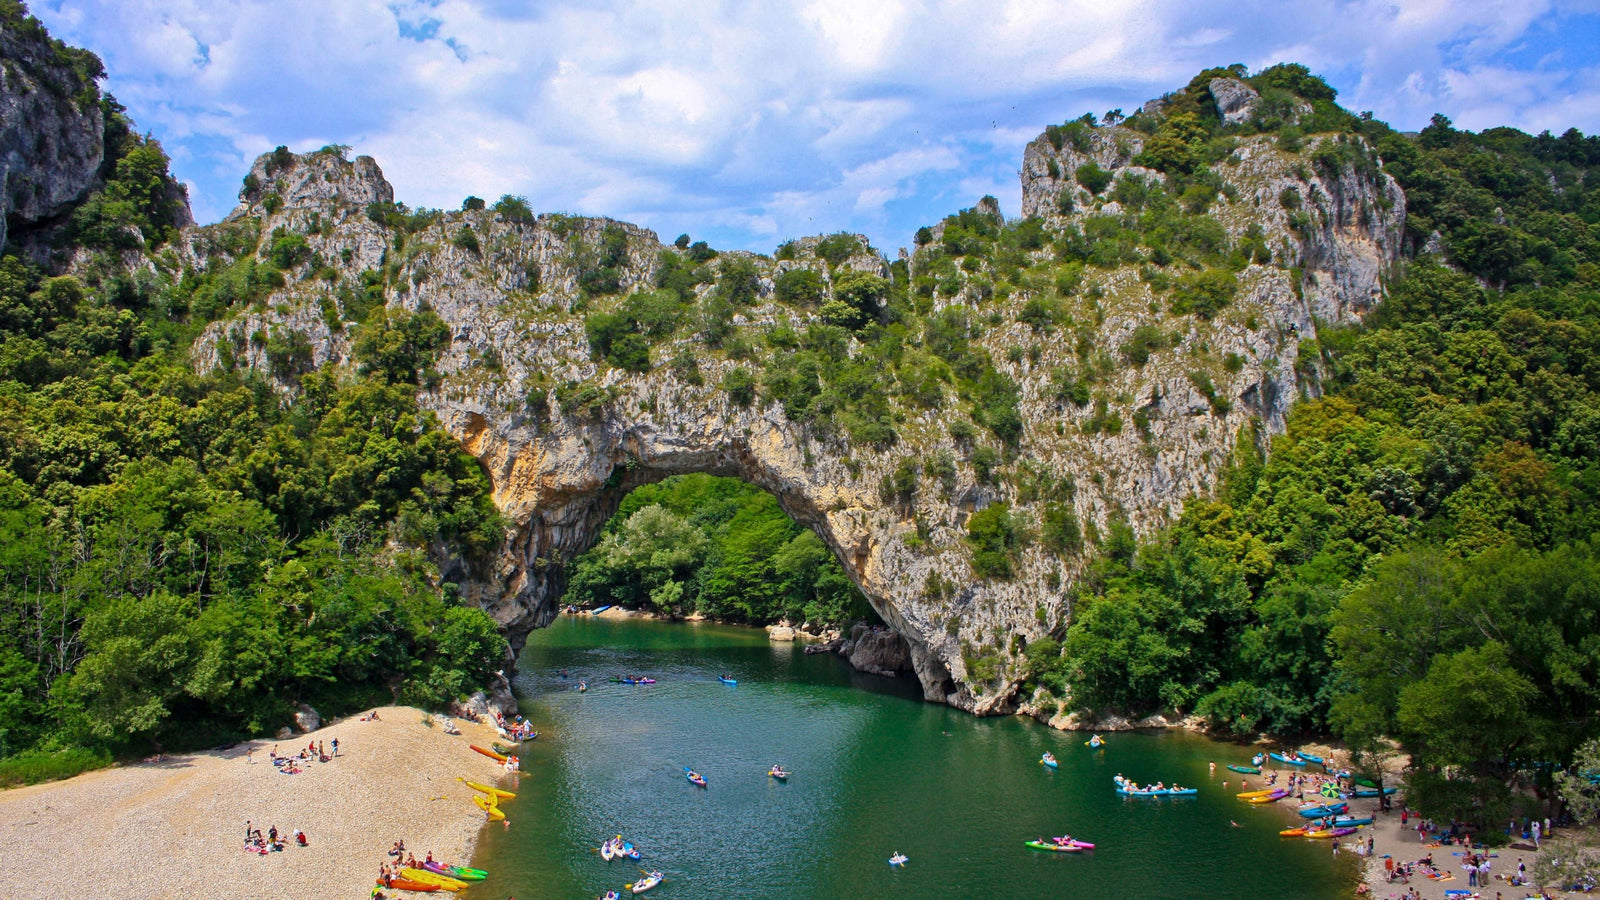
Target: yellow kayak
x=487, y=804
x=426, y=877
x=1249, y=794
x=491, y=791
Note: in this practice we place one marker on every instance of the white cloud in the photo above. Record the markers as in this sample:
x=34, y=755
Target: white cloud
x=755, y=120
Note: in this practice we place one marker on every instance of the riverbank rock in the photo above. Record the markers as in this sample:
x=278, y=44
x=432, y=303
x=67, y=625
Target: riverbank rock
x=782, y=633
x=306, y=718
x=880, y=652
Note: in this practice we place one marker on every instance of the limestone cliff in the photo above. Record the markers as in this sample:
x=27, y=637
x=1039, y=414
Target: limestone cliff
x=564, y=435
x=51, y=127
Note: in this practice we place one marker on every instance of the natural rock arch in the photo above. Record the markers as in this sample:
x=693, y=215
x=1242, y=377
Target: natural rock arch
x=563, y=435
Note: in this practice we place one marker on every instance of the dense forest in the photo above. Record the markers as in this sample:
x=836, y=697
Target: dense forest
x=718, y=547
x=184, y=557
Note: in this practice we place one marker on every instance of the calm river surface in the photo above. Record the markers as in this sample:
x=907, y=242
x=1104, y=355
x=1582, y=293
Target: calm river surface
x=875, y=771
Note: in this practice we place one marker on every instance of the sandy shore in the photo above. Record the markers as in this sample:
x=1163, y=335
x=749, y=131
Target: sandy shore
x=100, y=834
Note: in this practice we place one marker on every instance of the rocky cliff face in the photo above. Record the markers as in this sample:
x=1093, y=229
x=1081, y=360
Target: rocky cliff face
x=560, y=460
x=52, y=132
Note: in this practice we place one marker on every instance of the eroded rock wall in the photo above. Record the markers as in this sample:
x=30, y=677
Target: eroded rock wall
x=516, y=317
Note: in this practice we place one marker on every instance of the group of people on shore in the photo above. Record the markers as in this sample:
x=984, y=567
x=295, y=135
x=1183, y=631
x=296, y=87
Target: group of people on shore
x=294, y=763
x=272, y=841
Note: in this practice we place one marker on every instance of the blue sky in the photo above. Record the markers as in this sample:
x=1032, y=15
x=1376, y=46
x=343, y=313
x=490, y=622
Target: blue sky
x=748, y=122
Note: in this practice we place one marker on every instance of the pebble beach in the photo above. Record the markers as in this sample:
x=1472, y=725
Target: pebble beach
x=175, y=827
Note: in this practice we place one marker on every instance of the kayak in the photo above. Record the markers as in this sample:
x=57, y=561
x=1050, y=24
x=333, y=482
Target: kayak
x=1365, y=782
x=608, y=851
x=1351, y=821
x=426, y=877
x=628, y=851
x=599, y=609
x=1163, y=792
x=778, y=773
x=727, y=680
x=694, y=777
x=1054, y=848
x=611, y=895
x=1294, y=832
x=488, y=806
x=1095, y=742
x=504, y=749
x=1248, y=770
x=1330, y=833
x=486, y=789
x=497, y=757
x=1284, y=759
x=1309, y=758
x=646, y=883
x=898, y=860
x=1322, y=812
x=1373, y=792
x=1049, y=761
x=406, y=884
x=1273, y=797
x=459, y=873
x=1247, y=795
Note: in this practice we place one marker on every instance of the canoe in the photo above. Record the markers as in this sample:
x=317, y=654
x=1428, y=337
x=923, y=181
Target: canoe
x=1248, y=795
x=1164, y=792
x=1273, y=797
x=1049, y=762
x=1094, y=742
x=426, y=877
x=1322, y=812
x=607, y=851
x=504, y=749
x=1248, y=770
x=491, y=791
x=694, y=777
x=497, y=757
x=487, y=804
x=1373, y=792
x=406, y=884
x=1309, y=758
x=1054, y=848
x=1286, y=761
x=727, y=680
x=1293, y=832
x=646, y=883
x=1365, y=782
x=1351, y=821
x=776, y=773
x=599, y=609
x=1330, y=833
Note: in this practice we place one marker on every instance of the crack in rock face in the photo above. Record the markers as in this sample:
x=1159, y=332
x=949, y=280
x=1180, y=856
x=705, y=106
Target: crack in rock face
x=563, y=435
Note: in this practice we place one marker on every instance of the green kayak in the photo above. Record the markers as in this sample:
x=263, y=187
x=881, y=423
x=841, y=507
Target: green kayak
x=1054, y=848
x=1248, y=770
x=465, y=874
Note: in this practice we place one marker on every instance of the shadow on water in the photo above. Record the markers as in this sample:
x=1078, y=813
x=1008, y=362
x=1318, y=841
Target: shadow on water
x=875, y=771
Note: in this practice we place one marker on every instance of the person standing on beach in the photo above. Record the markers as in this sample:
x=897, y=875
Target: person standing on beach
x=1535, y=830
x=335, y=746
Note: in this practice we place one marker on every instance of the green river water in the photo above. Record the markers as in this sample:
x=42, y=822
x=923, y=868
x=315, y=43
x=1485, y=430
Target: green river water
x=875, y=771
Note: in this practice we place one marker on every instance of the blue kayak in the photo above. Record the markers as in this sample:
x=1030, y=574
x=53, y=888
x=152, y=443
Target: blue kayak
x=1321, y=812
x=1285, y=760
x=1373, y=792
x=1309, y=758
x=727, y=680
x=1048, y=761
x=1351, y=821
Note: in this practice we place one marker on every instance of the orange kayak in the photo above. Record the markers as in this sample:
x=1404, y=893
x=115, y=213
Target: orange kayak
x=406, y=884
x=489, y=753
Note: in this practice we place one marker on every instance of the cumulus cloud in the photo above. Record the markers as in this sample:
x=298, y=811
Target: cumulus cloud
x=749, y=121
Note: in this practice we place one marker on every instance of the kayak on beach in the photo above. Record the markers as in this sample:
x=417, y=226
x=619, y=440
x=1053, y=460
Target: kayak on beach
x=486, y=789
x=497, y=757
x=1287, y=760
x=1273, y=797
